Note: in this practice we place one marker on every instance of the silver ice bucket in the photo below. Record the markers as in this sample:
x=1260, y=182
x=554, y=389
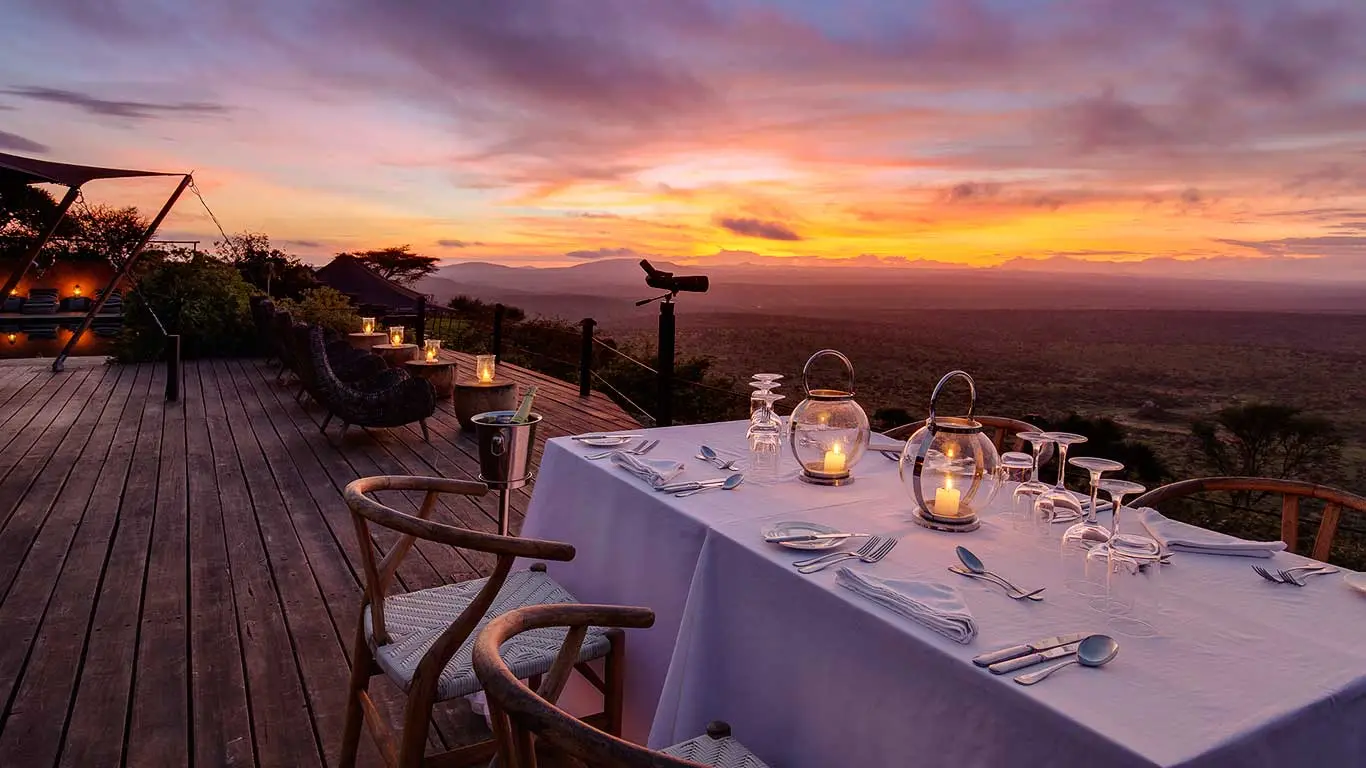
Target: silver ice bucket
x=505, y=448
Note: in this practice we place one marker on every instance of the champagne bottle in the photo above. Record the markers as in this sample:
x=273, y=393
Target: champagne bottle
x=524, y=410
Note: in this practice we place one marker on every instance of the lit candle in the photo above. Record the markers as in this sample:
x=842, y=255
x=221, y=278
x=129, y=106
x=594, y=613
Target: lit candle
x=432, y=350
x=484, y=368
x=834, y=460
x=367, y=325
x=78, y=290
x=946, y=499
x=395, y=335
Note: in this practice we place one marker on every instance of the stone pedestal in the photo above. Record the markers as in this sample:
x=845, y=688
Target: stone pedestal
x=441, y=374
x=472, y=398
x=395, y=354
x=365, y=341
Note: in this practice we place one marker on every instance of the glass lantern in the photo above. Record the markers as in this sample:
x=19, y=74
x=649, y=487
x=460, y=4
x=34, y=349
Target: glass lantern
x=950, y=468
x=485, y=366
x=367, y=325
x=431, y=350
x=396, y=335
x=828, y=431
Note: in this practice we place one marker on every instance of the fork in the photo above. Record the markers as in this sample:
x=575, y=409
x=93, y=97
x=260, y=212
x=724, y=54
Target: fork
x=872, y=557
x=730, y=466
x=643, y=448
x=1265, y=574
x=867, y=548
x=1012, y=593
x=1309, y=570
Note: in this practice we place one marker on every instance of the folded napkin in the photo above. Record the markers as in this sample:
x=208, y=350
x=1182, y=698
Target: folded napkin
x=1184, y=537
x=656, y=472
x=880, y=442
x=937, y=606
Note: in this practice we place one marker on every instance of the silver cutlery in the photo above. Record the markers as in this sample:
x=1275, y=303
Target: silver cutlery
x=729, y=484
x=974, y=563
x=1011, y=665
x=709, y=454
x=1016, y=651
x=867, y=548
x=1291, y=575
x=604, y=437
x=1094, y=651
x=1012, y=592
x=814, y=537
x=644, y=447
x=872, y=557
x=691, y=485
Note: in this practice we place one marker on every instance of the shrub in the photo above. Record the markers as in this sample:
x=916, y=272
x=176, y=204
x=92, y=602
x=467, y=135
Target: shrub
x=324, y=306
x=202, y=299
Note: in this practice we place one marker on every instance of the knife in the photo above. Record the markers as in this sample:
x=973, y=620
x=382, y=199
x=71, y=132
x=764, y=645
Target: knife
x=987, y=659
x=1010, y=665
x=602, y=437
x=690, y=486
x=813, y=537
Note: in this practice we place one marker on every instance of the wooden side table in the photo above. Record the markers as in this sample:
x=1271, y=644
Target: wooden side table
x=395, y=354
x=441, y=374
x=365, y=341
x=472, y=397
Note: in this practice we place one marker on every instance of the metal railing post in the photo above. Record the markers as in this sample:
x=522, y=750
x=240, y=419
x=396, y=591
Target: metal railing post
x=173, y=370
x=665, y=408
x=421, y=320
x=586, y=358
x=497, y=350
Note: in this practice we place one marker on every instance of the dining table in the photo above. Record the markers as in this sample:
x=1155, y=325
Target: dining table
x=1234, y=670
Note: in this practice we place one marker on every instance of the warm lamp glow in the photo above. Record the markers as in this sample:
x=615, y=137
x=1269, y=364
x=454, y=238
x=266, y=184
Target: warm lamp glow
x=367, y=325
x=484, y=368
x=77, y=290
x=13, y=337
x=396, y=335
x=946, y=499
x=13, y=292
x=834, y=460
x=431, y=350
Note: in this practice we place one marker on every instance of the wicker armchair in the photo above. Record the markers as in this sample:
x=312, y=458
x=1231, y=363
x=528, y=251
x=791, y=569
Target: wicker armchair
x=405, y=402
x=519, y=713
x=368, y=373
x=282, y=325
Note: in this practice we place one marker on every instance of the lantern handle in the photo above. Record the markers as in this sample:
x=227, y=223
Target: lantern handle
x=806, y=369
x=972, y=394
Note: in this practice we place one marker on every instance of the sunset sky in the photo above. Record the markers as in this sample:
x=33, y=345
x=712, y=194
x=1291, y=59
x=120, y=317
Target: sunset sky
x=1208, y=136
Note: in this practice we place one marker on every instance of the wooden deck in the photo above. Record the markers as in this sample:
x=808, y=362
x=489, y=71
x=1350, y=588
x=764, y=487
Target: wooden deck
x=179, y=581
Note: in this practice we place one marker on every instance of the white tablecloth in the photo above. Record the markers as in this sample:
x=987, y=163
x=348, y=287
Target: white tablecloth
x=1242, y=672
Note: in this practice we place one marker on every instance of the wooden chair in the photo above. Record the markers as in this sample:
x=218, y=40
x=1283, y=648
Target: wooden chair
x=999, y=427
x=1291, y=492
x=423, y=640
x=520, y=715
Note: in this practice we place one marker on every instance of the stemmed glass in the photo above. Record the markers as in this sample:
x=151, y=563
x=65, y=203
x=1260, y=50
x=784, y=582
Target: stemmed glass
x=1134, y=546
x=1058, y=504
x=1032, y=488
x=1017, y=468
x=762, y=383
x=1089, y=530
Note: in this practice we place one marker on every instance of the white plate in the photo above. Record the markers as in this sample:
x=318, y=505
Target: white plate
x=606, y=441
x=790, y=528
x=1356, y=581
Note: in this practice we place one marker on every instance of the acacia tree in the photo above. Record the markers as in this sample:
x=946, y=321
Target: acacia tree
x=1268, y=440
x=397, y=263
x=264, y=266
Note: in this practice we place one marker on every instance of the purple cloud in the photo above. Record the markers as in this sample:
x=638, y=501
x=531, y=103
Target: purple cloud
x=457, y=243
x=604, y=253
x=133, y=110
x=20, y=144
x=767, y=230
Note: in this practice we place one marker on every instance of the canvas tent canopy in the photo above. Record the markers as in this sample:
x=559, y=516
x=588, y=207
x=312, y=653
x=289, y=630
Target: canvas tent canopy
x=27, y=170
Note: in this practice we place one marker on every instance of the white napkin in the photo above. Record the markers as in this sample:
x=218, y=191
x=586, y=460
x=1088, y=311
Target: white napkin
x=937, y=606
x=656, y=472
x=880, y=442
x=1184, y=537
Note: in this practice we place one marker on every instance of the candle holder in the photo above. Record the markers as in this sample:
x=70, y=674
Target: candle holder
x=485, y=366
x=367, y=325
x=396, y=335
x=431, y=350
x=77, y=291
x=828, y=431
x=950, y=468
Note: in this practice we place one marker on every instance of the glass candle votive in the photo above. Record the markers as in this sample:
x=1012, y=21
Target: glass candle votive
x=484, y=368
x=431, y=350
x=396, y=335
x=367, y=325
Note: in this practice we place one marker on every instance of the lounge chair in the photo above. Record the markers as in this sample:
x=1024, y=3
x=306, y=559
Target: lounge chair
x=410, y=400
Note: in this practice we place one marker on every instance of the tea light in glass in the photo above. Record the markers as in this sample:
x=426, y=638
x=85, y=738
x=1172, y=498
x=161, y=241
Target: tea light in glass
x=396, y=335
x=367, y=325
x=484, y=368
x=431, y=350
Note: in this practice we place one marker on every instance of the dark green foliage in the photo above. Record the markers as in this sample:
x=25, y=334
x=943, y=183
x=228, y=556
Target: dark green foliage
x=324, y=306
x=397, y=263
x=887, y=418
x=718, y=399
x=202, y=299
x=480, y=310
x=1268, y=440
x=268, y=269
x=1108, y=439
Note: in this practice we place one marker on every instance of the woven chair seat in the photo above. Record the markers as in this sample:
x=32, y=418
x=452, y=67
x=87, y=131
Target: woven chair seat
x=717, y=753
x=416, y=619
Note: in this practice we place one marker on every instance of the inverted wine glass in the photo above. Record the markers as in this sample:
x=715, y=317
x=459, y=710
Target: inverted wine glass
x=1089, y=531
x=1031, y=489
x=1060, y=504
x=1135, y=546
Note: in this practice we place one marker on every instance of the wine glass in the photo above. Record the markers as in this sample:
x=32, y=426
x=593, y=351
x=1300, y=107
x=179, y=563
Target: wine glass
x=762, y=383
x=1135, y=546
x=1059, y=504
x=1089, y=530
x=1016, y=468
x=1032, y=488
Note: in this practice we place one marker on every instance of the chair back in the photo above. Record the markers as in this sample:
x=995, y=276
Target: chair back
x=1001, y=429
x=1290, y=491
x=521, y=715
x=282, y=324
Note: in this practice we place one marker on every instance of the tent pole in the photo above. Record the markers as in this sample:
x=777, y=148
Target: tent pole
x=71, y=194
x=120, y=274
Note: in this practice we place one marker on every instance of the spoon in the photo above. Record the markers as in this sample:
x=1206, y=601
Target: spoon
x=729, y=485
x=1094, y=651
x=1012, y=594
x=974, y=563
x=709, y=454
